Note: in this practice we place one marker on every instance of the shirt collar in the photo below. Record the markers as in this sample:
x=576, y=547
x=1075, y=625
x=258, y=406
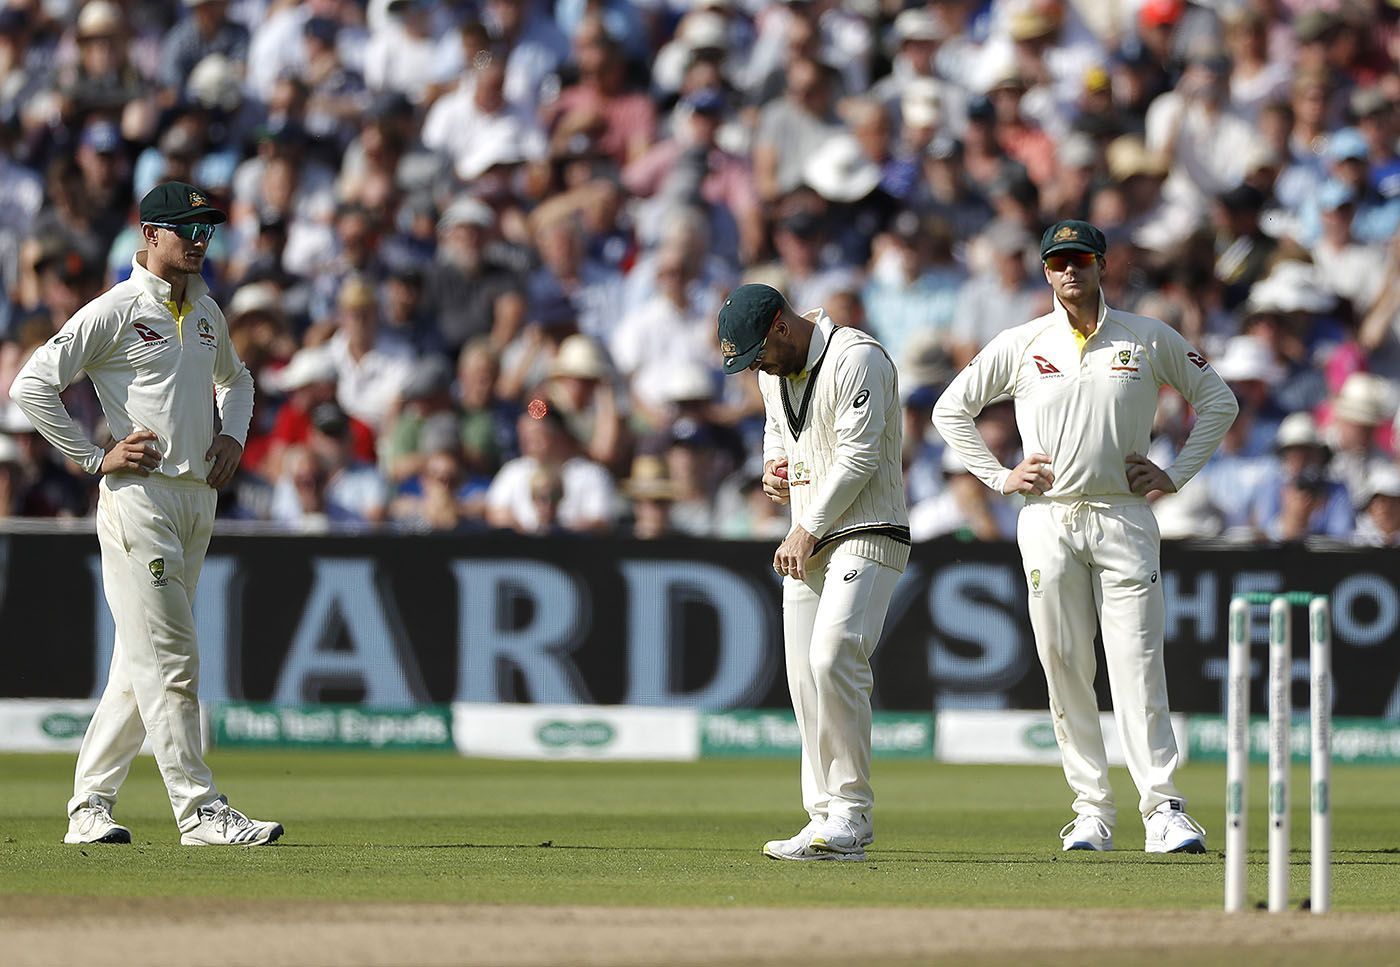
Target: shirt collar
x=821, y=332
x=1060, y=313
x=159, y=289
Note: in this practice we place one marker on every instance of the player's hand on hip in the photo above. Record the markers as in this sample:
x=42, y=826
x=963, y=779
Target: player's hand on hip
x=136, y=454
x=225, y=454
x=1031, y=476
x=1145, y=477
x=790, y=559
x=775, y=480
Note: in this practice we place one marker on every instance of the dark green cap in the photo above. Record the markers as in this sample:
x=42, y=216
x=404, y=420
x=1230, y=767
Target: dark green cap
x=1072, y=235
x=744, y=321
x=175, y=202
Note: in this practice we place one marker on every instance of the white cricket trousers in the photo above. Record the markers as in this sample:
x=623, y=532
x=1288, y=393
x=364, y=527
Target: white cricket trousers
x=154, y=533
x=831, y=624
x=1097, y=562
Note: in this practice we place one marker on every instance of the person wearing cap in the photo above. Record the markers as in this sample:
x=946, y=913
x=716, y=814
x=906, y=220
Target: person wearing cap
x=692, y=169
x=582, y=386
x=348, y=492
x=1084, y=380
x=1299, y=498
x=468, y=291
x=1353, y=270
x=1376, y=219
x=156, y=349
x=831, y=449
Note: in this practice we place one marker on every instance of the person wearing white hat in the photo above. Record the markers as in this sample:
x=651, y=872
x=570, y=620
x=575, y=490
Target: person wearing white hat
x=582, y=385
x=1299, y=499
x=1363, y=404
x=1380, y=509
x=205, y=30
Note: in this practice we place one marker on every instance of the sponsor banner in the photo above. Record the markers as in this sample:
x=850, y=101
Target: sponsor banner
x=576, y=732
x=240, y=724
x=400, y=621
x=997, y=736
x=773, y=734
x=1353, y=740
x=49, y=724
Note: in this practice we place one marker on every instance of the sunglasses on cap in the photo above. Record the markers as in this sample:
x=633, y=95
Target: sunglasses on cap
x=1063, y=260
x=189, y=231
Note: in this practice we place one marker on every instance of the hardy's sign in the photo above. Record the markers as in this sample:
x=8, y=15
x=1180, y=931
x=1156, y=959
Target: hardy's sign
x=399, y=622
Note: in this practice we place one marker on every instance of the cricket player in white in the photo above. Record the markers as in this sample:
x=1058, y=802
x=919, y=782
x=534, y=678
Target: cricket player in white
x=1085, y=380
x=831, y=447
x=156, y=347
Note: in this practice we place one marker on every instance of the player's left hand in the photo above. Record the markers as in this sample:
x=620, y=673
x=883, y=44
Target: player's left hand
x=225, y=453
x=790, y=559
x=1145, y=477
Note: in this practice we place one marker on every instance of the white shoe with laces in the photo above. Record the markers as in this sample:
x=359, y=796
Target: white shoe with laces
x=92, y=822
x=843, y=837
x=1086, y=833
x=798, y=847
x=222, y=825
x=1171, y=830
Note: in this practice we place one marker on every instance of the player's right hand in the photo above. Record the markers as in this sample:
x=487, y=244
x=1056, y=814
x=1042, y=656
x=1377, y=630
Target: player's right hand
x=774, y=486
x=1031, y=476
x=134, y=455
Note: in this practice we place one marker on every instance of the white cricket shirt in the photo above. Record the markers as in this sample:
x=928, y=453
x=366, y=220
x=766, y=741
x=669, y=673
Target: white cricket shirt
x=151, y=372
x=1087, y=409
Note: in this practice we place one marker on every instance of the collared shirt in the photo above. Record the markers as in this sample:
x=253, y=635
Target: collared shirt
x=366, y=387
x=152, y=371
x=1088, y=406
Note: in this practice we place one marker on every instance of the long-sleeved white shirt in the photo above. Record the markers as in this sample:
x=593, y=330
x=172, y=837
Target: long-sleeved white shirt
x=151, y=372
x=838, y=423
x=1088, y=408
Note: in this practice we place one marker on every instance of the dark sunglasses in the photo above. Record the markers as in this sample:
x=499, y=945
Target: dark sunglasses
x=1063, y=260
x=189, y=231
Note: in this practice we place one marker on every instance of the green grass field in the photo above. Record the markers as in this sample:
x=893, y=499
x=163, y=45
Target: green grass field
x=439, y=828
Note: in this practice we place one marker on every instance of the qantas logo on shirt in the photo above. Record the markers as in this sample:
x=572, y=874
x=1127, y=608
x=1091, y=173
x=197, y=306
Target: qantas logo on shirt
x=1046, y=367
x=148, y=334
x=1197, y=360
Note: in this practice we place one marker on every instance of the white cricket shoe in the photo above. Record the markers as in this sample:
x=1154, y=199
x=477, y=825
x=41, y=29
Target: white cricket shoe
x=1087, y=832
x=800, y=846
x=1171, y=830
x=222, y=825
x=93, y=823
x=844, y=837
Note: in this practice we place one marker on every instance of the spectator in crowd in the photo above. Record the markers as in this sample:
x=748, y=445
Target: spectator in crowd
x=1380, y=510
x=473, y=185
x=322, y=484
x=1299, y=499
x=1361, y=411
x=652, y=495
x=370, y=369
x=964, y=508
x=582, y=388
x=587, y=495
x=425, y=399
x=205, y=29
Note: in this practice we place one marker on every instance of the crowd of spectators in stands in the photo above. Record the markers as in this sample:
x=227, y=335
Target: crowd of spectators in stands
x=476, y=249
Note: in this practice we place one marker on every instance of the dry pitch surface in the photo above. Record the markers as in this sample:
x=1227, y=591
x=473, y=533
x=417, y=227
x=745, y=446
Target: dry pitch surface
x=156, y=932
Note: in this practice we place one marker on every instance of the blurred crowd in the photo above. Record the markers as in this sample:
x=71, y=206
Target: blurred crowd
x=476, y=248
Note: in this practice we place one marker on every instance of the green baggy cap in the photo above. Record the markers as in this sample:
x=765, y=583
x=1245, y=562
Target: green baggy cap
x=175, y=202
x=1072, y=235
x=744, y=321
